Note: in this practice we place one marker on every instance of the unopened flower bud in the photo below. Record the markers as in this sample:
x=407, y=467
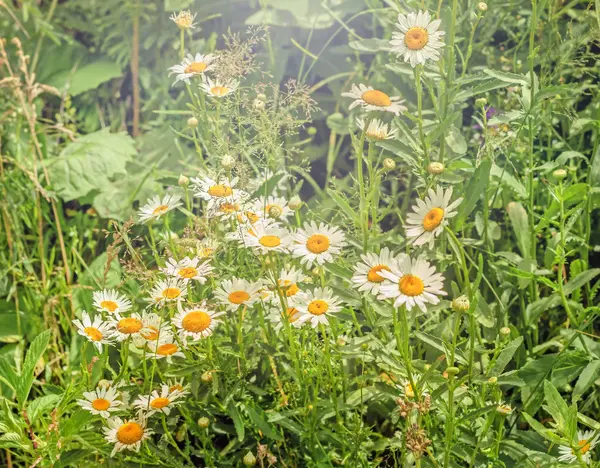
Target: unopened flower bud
x=295, y=203
x=275, y=212
x=203, y=422
x=505, y=331
x=504, y=410
x=435, y=168
x=559, y=174
x=261, y=97
x=482, y=6
x=493, y=380
x=461, y=304
x=389, y=164
x=453, y=371
x=104, y=384
x=183, y=180
x=310, y=407
x=311, y=131
x=192, y=122
x=249, y=459
x=258, y=104
x=227, y=162
x=206, y=377
x=481, y=102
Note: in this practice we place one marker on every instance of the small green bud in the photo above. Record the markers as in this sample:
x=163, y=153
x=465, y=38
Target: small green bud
x=192, y=122
x=493, y=380
x=461, y=304
x=452, y=371
x=505, y=331
x=481, y=102
x=227, y=162
x=435, y=168
x=311, y=131
x=482, y=6
x=183, y=181
x=295, y=203
x=389, y=164
x=249, y=459
x=559, y=174
x=203, y=422
x=206, y=377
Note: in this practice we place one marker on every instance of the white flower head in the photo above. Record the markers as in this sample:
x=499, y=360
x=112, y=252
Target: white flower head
x=367, y=277
x=162, y=402
x=376, y=130
x=317, y=243
x=430, y=216
x=412, y=283
x=371, y=99
x=207, y=247
x=218, y=192
x=264, y=237
x=156, y=207
x=196, y=322
x=585, y=443
x=188, y=269
x=288, y=284
x=166, y=347
x=218, y=89
x=169, y=290
x=236, y=292
x=97, y=331
x=315, y=306
x=127, y=434
x=154, y=327
x=272, y=207
x=192, y=65
x=418, y=38
x=109, y=300
x=277, y=317
x=101, y=401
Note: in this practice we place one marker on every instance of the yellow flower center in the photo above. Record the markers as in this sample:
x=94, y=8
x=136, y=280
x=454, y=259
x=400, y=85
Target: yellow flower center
x=171, y=293
x=269, y=241
x=376, y=98
x=195, y=67
x=220, y=191
x=411, y=285
x=187, y=272
x=317, y=243
x=129, y=325
x=584, y=446
x=100, y=404
x=175, y=387
x=130, y=433
x=219, y=90
x=111, y=306
x=433, y=219
x=93, y=333
x=373, y=275
x=159, y=403
x=238, y=297
x=196, y=321
x=416, y=38
x=160, y=210
x=292, y=290
x=318, y=307
x=151, y=334
x=167, y=349
x=229, y=208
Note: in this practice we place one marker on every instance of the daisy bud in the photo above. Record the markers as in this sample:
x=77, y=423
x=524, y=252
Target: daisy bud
x=482, y=6
x=504, y=410
x=310, y=407
x=192, y=122
x=206, y=377
x=311, y=131
x=389, y=164
x=452, y=371
x=249, y=459
x=505, y=331
x=275, y=212
x=184, y=19
x=183, y=180
x=295, y=203
x=227, y=162
x=104, y=384
x=261, y=97
x=435, y=168
x=559, y=174
x=493, y=380
x=480, y=102
x=204, y=422
x=461, y=304
x=258, y=104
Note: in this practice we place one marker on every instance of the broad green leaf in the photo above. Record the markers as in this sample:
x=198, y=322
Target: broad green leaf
x=520, y=223
x=456, y=141
x=505, y=356
x=580, y=280
x=35, y=352
x=508, y=179
x=508, y=77
x=90, y=162
x=543, y=431
x=86, y=77
x=586, y=379
x=75, y=423
x=237, y=420
x=40, y=405
x=256, y=415
x=372, y=45
x=344, y=206
x=555, y=405
x=474, y=191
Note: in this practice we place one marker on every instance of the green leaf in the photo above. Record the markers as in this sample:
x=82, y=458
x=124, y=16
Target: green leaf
x=86, y=77
x=555, y=405
x=520, y=223
x=456, y=141
x=237, y=420
x=35, y=352
x=371, y=45
x=507, y=77
x=505, y=356
x=90, y=162
x=543, y=431
x=256, y=415
x=344, y=206
x=586, y=379
x=40, y=405
x=75, y=423
x=580, y=280
x=475, y=189
x=338, y=123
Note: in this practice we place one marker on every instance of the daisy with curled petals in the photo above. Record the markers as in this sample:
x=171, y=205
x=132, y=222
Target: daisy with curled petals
x=109, y=300
x=188, y=269
x=273, y=207
x=376, y=130
x=197, y=322
x=153, y=328
x=184, y=19
x=317, y=243
x=315, y=306
x=264, y=237
x=367, y=275
x=583, y=446
x=374, y=100
x=169, y=290
x=192, y=65
x=127, y=434
x=101, y=401
x=430, y=216
x=277, y=318
x=178, y=385
x=97, y=331
x=166, y=347
x=162, y=402
x=236, y=292
x=156, y=207
x=412, y=282
x=128, y=327
x=217, y=192
x=217, y=88
x=418, y=38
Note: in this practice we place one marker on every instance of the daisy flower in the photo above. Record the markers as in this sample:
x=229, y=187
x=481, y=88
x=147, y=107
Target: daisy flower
x=109, y=300
x=264, y=237
x=377, y=129
x=97, y=331
x=178, y=385
x=586, y=441
x=192, y=65
x=273, y=207
x=127, y=434
x=317, y=244
x=217, y=88
x=277, y=318
x=430, y=216
x=217, y=192
x=374, y=100
x=188, y=269
x=367, y=273
x=315, y=306
x=418, y=38
x=184, y=19
x=168, y=290
x=166, y=347
x=236, y=292
x=101, y=401
x=156, y=207
x=288, y=283
x=161, y=402
x=412, y=283
x=225, y=210
x=206, y=248
x=128, y=327
x=197, y=322
x=154, y=327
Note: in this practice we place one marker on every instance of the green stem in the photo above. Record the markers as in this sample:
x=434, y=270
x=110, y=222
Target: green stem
x=419, y=88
